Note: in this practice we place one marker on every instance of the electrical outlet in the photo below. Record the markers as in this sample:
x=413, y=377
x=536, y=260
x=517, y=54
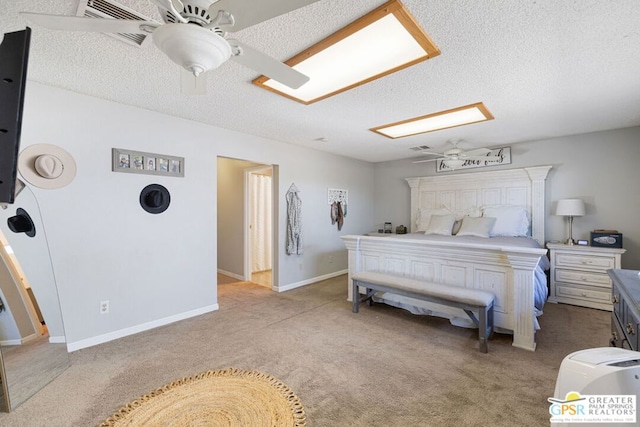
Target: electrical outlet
x=104, y=307
x=330, y=259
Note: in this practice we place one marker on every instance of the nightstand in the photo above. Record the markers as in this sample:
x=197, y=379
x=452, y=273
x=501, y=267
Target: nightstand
x=579, y=274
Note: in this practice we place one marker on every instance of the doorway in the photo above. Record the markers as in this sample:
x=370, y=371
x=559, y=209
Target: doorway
x=247, y=247
x=258, y=225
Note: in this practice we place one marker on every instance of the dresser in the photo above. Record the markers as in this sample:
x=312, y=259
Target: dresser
x=625, y=319
x=579, y=274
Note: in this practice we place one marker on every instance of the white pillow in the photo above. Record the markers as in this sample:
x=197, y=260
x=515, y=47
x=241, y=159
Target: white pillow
x=510, y=220
x=424, y=216
x=479, y=227
x=474, y=212
x=441, y=224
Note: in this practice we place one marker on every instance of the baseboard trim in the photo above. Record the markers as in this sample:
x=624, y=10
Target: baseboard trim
x=19, y=341
x=57, y=339
x=11, y=342
x=310, y=281
x=230, y=274
x=100, y=339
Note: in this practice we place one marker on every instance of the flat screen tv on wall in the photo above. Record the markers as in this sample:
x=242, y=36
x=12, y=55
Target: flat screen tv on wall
x=14, y=57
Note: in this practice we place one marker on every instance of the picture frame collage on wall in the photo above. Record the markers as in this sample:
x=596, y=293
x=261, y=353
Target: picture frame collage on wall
x=129, y=161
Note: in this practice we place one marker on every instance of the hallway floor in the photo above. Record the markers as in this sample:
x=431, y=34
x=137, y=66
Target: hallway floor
x=261, y=278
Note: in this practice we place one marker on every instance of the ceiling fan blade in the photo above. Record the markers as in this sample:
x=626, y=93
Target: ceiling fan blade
x=429, y=153
x=266, y=65
x=79, y=23
x=250, y=12
x=191, y=84
x=427, y=160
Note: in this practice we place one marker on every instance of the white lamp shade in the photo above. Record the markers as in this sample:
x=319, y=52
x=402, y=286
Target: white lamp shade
x=570, y=207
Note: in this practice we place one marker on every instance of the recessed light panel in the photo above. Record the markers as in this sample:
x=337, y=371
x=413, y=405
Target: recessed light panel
x=384, y=41
x=460, y=116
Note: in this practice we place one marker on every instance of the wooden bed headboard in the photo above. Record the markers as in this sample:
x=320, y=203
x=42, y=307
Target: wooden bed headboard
x=461, y=191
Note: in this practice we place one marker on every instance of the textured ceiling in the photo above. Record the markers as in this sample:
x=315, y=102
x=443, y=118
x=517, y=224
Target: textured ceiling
x=544, y=68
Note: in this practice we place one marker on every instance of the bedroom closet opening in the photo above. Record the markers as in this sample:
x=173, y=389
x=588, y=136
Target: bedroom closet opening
x=247, y=222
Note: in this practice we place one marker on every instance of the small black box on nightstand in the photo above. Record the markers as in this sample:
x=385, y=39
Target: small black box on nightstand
x=606, y=239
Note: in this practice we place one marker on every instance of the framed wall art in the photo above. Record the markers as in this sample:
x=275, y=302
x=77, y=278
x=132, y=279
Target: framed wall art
x=503, y=154
x=337, y=195
x=129, y=161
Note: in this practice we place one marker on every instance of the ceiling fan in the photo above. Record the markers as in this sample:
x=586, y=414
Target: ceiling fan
x=456, y=157
x=195, y=33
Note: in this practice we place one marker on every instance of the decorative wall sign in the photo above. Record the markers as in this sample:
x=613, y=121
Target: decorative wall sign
x=505, y=158
x=146, y=163
x=337, y=195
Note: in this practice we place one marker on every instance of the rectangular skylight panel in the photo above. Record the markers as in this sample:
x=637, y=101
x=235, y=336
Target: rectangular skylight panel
x=381, y=42
x=433, y=123
x=381, y=46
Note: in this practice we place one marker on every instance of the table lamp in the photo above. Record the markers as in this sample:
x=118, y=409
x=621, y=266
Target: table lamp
x=570, y=208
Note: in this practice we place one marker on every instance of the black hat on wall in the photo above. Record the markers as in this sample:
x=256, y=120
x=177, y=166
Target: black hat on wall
x=154, y=198
x=22, y=223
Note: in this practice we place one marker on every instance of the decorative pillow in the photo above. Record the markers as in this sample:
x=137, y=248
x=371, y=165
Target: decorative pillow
x=422, y=219
x=479, y=227
x=456, y=226
x=474, y=212
x=424, y=216
x=510, y=220
x=441, y=224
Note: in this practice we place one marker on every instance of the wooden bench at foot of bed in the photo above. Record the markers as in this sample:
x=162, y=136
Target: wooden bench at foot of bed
x=454, y=296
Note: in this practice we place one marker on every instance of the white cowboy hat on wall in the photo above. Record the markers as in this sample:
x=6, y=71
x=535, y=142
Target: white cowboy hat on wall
x=46, y=166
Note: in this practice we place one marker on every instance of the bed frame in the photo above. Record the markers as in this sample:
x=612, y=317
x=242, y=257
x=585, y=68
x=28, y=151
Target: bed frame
x=507, y=271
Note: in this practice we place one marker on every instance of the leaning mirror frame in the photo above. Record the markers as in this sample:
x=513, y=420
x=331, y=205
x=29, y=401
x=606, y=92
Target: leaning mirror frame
x=31, y=253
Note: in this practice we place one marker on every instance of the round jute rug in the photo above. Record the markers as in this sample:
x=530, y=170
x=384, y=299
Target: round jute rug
x=230, y=397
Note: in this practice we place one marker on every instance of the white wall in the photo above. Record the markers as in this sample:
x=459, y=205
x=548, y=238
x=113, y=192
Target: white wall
x=155, y=269
x=601, y=168
x=313, y=173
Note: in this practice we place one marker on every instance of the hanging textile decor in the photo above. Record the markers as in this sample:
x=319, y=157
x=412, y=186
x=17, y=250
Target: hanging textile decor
x=338, y=202
x=294, y=226
x=337, y=214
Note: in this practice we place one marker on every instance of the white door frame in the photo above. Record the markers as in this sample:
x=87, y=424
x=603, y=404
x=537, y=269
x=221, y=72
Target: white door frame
x=274, y=221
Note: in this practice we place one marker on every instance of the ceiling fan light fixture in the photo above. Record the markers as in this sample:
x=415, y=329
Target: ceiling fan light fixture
x=192, y=47
x=473, y=113
x=453, y=163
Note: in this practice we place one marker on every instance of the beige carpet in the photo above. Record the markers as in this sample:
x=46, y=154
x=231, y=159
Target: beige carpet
x=380, y=367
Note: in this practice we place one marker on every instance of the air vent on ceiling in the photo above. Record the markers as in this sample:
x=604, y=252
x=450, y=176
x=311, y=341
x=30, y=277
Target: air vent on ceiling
x=420, y=148
x=112, y=9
